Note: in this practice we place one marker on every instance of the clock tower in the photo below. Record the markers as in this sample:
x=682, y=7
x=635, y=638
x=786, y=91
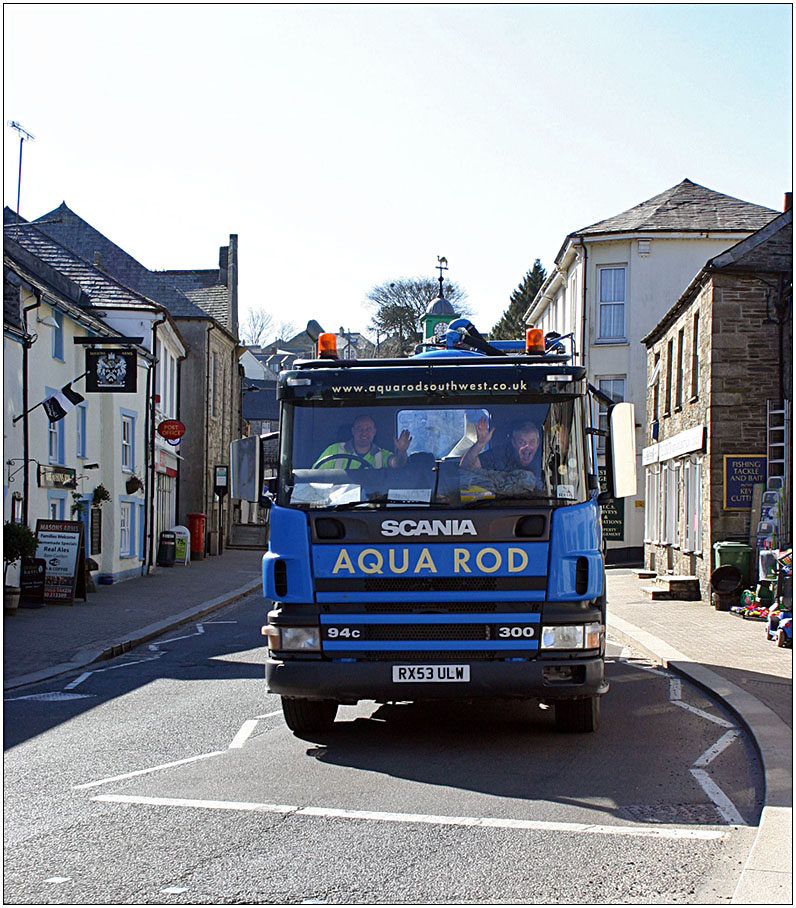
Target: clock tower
x=439, y=314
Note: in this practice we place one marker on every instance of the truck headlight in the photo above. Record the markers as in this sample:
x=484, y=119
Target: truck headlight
x=572, y=636
x=297, y=639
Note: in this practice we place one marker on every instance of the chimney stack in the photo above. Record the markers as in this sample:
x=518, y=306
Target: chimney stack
x=788, y=201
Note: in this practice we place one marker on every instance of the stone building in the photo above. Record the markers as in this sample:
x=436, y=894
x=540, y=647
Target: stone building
x=614, y=280
x=718, y=363
x=204, y=305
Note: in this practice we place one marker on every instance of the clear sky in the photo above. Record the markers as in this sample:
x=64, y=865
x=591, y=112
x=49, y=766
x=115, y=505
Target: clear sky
x=351, y=145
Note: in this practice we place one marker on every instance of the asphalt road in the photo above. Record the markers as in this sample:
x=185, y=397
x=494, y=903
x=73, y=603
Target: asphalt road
x=167, y=776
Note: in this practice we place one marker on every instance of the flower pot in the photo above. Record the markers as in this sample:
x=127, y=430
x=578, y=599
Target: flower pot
x=10, y=600
x=133, y=484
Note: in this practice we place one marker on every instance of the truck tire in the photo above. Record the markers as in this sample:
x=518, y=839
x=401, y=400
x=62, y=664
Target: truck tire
x=578, y=715
x=308, y=715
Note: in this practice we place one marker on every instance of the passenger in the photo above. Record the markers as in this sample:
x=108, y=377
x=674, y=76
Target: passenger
x=518, y=455
x=363, y=431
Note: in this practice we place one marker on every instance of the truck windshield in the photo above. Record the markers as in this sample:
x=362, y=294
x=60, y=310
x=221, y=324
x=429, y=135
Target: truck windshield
x=431, y=454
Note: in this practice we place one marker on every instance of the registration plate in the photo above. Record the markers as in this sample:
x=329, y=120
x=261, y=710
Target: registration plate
x=431, y=673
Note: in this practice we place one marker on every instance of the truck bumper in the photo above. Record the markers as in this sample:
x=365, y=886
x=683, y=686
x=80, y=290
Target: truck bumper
x=350, y=682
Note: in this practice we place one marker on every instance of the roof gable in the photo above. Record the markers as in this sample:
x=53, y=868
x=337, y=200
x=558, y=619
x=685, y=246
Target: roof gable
x=686, y=207
x=172, y=289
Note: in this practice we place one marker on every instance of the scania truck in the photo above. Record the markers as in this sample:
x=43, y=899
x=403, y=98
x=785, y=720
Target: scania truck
x=435, y=528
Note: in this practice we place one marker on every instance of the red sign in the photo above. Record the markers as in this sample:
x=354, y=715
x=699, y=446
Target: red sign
x=171, y=428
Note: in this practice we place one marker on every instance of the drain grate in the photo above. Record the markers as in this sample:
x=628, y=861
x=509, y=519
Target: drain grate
x=700, y=814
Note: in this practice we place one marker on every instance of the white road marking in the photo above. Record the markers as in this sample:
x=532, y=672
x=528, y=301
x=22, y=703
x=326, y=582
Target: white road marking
x=174, y=890
x=80, y=680
x=723, y=804
x=675, y=689
x=658, y=832
x=700, y=712
x=51, y=696
x=719, y=747
x=143, y=772
x=243, y=735
x=277, y=712
x=58, y=879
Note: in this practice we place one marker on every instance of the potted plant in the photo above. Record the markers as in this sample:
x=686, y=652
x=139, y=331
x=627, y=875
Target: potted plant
x=101, y=494
x=19, y=541
x=134, y=484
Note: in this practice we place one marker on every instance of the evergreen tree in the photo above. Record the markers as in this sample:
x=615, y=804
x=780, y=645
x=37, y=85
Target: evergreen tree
x=512, y=325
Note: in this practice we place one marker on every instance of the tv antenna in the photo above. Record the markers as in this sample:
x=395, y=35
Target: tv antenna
x=23, y=135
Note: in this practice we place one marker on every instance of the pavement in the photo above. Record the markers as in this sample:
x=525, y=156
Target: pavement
x=723, y=654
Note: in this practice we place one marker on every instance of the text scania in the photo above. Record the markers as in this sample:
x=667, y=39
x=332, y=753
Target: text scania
x=486, y=560
x=427, y=528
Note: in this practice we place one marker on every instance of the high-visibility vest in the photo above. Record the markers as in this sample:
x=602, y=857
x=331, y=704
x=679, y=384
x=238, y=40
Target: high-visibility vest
x=376, y=457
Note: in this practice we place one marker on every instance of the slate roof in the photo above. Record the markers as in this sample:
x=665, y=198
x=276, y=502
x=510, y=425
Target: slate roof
x=683, y=208
x=260, y=403
x=103, y=290
x=769, y=250
x=184, y=293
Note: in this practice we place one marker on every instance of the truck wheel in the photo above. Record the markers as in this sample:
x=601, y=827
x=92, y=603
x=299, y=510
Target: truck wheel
x=578, y=715
x=308, y=715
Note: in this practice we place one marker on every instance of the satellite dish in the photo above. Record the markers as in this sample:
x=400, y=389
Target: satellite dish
x=314, y=330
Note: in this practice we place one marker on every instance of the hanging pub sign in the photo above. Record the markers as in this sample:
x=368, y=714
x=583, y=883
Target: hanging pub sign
x=111, y=370
x=741, y=473
x=56, y=477
x=171, y=429
x=61, y=547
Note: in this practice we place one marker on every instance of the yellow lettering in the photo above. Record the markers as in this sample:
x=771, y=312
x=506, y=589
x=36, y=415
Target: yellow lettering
x=370, y=567
x=405, y=562
x=460, y=559
x=426, y=561
x=343, y=561
x=514, y=567
x=479, y=560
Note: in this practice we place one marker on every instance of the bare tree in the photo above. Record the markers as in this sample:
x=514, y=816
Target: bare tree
x=400, y=304
x=256, y=327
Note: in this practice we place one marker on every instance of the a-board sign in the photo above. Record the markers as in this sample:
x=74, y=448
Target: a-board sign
x=61, y=547
x=31, y=580
x=612, y=513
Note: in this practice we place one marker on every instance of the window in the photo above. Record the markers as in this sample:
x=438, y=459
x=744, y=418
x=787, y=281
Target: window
x=58, y=336
x=652, y=504
x=678, y=394
x=667, y=401
x=56, y=451
x=128, y=442
x=612, y=303
x=671, y=473
x=81, y=431
x=172, y=411
x=125, y=529
x=656, y=386
x=615, y=389
x=213, y=384
x=692, y=483
x=695, y=359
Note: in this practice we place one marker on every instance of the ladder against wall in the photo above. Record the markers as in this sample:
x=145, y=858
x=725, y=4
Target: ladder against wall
x=779, y=454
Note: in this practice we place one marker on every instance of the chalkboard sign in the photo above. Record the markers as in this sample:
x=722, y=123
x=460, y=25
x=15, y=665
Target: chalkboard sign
x=61, y=547
x=95, y=541
x=31, y=580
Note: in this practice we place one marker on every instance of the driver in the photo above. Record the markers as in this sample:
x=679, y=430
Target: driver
x=363, y=431
x=518, y=455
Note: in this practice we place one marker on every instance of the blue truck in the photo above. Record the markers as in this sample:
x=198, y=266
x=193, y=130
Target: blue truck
x=435, y=529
